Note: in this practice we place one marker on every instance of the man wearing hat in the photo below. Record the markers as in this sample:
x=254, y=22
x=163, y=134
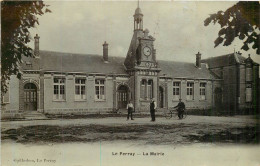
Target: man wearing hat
x=130, y=109
x=181, y=108
x=152, y=109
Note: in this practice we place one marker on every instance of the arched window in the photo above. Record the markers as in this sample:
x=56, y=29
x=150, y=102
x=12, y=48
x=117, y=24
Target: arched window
x=146, y=89
x=150, y=89
x=143, y=89
x=30, y=86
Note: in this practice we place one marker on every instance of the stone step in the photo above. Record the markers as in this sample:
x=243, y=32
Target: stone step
x=34, y=115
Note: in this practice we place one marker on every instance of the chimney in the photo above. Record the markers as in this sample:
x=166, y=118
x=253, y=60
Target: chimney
x=198, y=60
x=36, y=45
x=105, y=52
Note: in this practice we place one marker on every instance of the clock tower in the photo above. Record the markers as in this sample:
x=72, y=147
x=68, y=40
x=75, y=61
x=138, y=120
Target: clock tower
x=146, y=54
x=142, y=66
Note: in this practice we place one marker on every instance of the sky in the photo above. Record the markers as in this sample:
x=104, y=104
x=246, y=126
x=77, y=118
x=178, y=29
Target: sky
x=178, y=27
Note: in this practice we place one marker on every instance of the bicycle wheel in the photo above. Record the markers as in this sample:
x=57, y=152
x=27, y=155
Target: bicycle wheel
x=168, y=114
x=174, y=114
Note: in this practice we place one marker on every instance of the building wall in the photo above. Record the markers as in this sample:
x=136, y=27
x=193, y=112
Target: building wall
x=41, y=102
x=10, y=105
x=70, y=105
x=256, y=89
x=229, y=88
x=196, y=103
x=234, y=86
x=12, y=95
x=242, y=102
x=142, y=105
x=46, y=103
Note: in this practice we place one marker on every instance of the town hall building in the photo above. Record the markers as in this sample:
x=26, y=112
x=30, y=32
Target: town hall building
x=67, y=83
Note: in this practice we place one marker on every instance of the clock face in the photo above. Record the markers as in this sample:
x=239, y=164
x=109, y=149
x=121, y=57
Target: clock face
x=147, y=51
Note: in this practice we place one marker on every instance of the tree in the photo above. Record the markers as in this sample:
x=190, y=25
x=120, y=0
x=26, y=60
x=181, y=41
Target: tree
x=239, y=21
x=17, y=18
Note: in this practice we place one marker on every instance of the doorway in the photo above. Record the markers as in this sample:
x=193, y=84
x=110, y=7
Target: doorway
x=122, y=96
x=30, y=97
x=161, y=96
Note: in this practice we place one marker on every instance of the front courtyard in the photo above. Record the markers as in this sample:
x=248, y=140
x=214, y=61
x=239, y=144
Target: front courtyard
x=140, y=131
x=96, y=140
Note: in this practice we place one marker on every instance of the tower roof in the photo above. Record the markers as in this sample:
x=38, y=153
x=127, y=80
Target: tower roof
x=138, y=11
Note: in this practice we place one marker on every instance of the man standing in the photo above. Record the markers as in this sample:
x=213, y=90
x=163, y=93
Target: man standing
x=180, y=109
x=130, y=109
x=152, y=109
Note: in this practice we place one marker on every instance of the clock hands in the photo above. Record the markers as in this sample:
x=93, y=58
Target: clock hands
x=147, y=51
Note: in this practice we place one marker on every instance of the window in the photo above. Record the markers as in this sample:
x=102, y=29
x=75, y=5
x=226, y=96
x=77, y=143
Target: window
x=80, y=89
x=59, y=88
x=150, y=89
x=6, y=97
x=176, y=90
x=142, y=89
x=100, y=89
x=248, y=74
x=146, y=89
x=190, y=87
x=248, y=93
x=202, y=91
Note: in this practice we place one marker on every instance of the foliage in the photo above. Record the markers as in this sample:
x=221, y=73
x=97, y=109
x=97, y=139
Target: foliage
x=17, y=18
x=239, y=21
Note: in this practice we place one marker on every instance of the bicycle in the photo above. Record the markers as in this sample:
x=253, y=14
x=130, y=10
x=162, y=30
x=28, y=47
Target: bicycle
x=174, y=113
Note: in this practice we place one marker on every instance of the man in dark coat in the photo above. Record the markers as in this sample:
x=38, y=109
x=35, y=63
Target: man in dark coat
x=130, y=109
x=152, y=109
x=180, y=108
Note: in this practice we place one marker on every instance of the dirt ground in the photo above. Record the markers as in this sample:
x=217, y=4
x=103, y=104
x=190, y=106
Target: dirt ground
x=192, y=130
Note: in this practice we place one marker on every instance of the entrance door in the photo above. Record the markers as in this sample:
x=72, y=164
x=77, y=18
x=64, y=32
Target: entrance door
x=30, y=97
x=160, y=97
x=122, y=97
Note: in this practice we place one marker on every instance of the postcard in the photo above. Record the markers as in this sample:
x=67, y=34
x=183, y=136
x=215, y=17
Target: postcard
x=112, y=83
